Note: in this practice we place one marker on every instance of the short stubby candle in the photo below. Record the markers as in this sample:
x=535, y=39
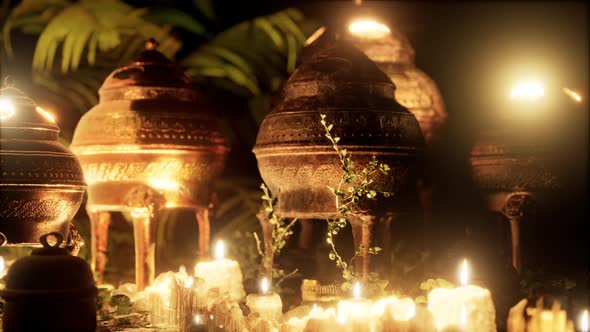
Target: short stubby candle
x=468, y=308
x=267, y=304
x=221, y=273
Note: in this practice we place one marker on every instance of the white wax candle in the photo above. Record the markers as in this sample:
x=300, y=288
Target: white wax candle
x=223, y=274
x=267, y=304
x=355, y=314
x=469, y=308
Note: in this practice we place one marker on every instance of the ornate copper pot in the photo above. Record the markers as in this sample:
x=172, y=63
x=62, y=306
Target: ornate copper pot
x=512, y=166
x=152, y=142
x=49, y=291
x=41, y=181
x=297, y=161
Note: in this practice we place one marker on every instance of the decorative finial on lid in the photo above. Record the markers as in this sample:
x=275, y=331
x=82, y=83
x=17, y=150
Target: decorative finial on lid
x=151, y=44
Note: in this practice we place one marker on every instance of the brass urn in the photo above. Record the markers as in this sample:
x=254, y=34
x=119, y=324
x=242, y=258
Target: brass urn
x=41, y=181
x=394, y=55
x=297, y=161
x=152, y=142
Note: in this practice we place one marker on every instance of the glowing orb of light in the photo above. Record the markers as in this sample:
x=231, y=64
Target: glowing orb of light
x=530, y=90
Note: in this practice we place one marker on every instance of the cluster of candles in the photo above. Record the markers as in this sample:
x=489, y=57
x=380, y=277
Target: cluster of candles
x=209, y=300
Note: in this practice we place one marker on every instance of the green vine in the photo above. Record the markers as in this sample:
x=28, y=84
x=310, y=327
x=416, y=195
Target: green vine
x=281, y=232
x=354, y=187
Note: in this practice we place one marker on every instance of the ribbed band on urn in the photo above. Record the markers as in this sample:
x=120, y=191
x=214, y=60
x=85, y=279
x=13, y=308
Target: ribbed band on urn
x=41, y=181
x=295, y=158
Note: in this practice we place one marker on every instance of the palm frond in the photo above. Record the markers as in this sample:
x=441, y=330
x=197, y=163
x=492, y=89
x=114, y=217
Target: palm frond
x=252, y=55
x=30, y=16
x=176, y=18
x=86, y=25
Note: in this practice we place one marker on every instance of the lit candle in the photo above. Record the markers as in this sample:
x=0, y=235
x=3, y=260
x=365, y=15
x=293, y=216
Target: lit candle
x=584, y=322
x=355, y=314
x=221, y=273
x=266, y=304
x=467, y=307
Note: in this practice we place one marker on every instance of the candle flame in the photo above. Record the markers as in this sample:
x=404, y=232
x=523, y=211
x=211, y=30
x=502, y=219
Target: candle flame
x=264, y=285
x=368, y=28
x=356, y=290
x=45, y=114
x=219, y=250
x=463, y=317
x=2, y=266
x=6, y=108
x=464, y=273
x=182, y=269
x=573, y=94
x=530, y=90
x=585, y=321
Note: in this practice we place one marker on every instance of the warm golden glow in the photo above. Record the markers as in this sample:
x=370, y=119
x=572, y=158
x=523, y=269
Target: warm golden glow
x=368, y=28
x=464, y=273
x=6, y=108
x=530, y=90
x=356, y=290
x=2, y=267
x=585, y=322
x=182, y=269
x=573, y=94
x=264, y=286
x=45, y=114
x=315, y=36
x=219, y=250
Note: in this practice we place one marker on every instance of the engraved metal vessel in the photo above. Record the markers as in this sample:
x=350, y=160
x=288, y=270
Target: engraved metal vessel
x=297, y=161
x=41, y=181
x=152, y=142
